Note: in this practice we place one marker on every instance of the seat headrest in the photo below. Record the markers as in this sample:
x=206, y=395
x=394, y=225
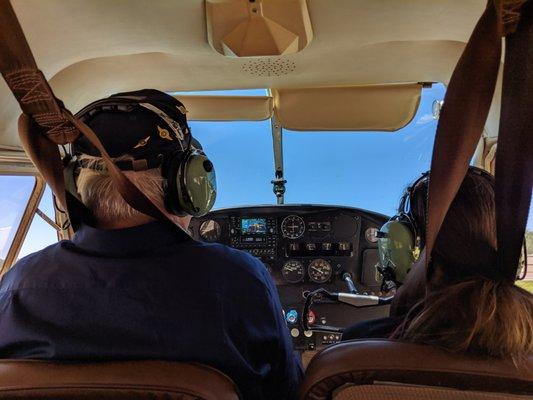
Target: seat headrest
x=362, y=362
x=136, y=380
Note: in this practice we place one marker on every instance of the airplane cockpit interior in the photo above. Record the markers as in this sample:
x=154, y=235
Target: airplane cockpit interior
x=306, y=247
x=321, y=117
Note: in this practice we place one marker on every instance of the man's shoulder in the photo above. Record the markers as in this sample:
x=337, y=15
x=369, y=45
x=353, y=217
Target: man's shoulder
x=234, y=261
x=31, y=266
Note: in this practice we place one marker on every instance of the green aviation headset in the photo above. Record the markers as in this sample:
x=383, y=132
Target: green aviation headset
x=189, y=175
x=400, y=240
x=190, y=183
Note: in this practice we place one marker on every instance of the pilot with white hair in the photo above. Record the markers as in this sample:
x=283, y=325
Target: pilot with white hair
x=128, y=286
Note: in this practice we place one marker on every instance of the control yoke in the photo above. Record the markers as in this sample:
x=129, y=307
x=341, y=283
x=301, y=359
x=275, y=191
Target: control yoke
x=322, y=296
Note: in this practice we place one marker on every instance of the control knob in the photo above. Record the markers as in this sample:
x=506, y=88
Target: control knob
x=291, y=316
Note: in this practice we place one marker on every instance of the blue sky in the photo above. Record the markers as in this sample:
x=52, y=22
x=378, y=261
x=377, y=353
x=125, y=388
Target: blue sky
x=361, y=169
x=368, y=170
x=14, y=194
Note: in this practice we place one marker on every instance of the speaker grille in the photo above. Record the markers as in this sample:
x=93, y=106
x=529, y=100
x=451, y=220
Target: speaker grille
x=269, y=67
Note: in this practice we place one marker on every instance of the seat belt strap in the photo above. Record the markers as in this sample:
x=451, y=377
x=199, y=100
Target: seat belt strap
x=462, y=119
x=514, y=154
x=466, y=106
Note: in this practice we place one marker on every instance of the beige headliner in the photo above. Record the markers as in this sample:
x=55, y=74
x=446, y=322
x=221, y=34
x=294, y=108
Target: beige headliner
x=92, y=48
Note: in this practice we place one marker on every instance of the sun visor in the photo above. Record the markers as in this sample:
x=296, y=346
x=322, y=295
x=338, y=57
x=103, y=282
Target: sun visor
x=357, y=108
x=227, y=108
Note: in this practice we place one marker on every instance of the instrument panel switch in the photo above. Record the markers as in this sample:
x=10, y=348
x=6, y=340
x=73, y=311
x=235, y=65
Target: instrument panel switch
x=292, y=316
x=344, y=246
x=311, y=318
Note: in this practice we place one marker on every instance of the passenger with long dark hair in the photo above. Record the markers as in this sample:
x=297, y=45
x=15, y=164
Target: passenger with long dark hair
x=468, y=305
x=464, y=305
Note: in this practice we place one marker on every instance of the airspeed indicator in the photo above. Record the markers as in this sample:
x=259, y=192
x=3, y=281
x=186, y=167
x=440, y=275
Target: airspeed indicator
x=293, y=271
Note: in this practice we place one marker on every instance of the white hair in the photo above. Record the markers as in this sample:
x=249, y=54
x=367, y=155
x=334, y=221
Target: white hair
x=99, y=195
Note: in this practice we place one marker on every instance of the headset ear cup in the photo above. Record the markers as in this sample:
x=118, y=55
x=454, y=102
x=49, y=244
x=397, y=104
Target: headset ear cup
x=182, y=200
x=191, y=184
x=198, y=184
x=397, y=248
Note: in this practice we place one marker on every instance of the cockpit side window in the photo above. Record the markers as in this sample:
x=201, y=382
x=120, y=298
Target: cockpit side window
x=41, y=233
x=15, y=194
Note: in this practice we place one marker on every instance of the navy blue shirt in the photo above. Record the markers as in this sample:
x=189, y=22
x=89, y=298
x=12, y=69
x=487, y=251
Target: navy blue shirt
x=150, y=292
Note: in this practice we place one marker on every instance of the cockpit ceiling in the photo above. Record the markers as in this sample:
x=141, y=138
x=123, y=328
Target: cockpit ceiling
x=90, y=49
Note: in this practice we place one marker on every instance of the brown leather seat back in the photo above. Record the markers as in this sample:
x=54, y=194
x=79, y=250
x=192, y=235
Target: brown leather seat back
x=386, y=369
x=394, y=392
x=135, y=380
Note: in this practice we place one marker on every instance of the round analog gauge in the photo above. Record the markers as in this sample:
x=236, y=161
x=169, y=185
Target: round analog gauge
x=371, y=235
x=293, y=271
x=210, y=230
x=292, y=227
x=320, y=270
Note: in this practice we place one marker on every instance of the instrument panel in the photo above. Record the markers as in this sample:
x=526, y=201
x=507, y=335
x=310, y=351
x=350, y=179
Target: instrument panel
x=305, y=247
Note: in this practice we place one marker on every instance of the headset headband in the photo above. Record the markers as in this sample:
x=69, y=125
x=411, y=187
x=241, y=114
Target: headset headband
x=404, y=208
x=406, y=197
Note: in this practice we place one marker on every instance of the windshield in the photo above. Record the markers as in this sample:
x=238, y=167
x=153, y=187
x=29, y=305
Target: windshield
x=244, y=160
x=361, y=169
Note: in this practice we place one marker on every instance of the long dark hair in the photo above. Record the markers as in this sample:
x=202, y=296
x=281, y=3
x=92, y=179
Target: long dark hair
x=468, y=307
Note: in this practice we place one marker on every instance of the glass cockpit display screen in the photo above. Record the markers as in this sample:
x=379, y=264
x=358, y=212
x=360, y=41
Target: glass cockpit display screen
x=253, y=226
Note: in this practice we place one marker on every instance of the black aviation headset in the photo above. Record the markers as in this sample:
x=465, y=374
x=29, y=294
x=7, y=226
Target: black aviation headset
x=189, y=175
x=400, y=239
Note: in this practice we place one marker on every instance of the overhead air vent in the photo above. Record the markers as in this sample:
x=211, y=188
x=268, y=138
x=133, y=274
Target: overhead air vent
x=255, y=28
